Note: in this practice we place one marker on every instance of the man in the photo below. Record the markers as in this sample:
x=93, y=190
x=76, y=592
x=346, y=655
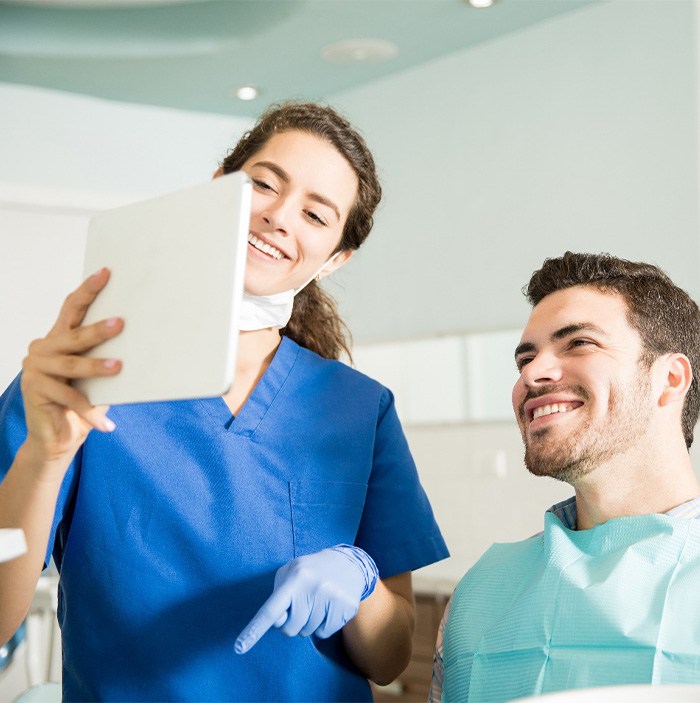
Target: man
x=606, y=401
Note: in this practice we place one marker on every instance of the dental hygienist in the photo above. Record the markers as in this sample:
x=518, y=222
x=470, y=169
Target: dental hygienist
x=255, y=547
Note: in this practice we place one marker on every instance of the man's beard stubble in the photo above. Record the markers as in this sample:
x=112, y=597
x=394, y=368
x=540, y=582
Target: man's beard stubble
x=596, y=441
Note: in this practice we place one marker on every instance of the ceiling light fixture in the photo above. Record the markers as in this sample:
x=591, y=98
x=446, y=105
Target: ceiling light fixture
x=247, y=92
x=480, y=4
x=356, y=50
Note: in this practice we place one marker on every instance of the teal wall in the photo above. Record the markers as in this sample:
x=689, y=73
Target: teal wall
x=579, y=133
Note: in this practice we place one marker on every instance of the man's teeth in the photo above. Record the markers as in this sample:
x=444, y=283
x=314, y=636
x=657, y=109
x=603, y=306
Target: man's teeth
x=553, y=408
x=266, y=248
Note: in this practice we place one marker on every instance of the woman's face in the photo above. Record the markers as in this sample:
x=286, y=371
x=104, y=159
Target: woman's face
x=303, y=190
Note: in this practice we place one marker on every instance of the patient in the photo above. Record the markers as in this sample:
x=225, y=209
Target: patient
x=608, y=593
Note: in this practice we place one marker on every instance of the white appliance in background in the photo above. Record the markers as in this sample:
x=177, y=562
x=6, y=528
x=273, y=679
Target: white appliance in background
x=12, y=544
x=34, y=667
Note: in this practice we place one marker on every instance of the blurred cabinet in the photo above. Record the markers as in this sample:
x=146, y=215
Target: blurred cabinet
x=414, y=683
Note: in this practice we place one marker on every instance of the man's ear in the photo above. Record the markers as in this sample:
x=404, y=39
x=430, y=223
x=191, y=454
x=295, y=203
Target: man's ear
x=219, y=172
x=678, y=375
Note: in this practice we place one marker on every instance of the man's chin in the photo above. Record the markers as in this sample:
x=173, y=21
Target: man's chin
x=560, y=467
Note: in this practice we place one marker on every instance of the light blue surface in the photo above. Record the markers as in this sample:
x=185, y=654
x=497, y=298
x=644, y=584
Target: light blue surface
x=44, y=693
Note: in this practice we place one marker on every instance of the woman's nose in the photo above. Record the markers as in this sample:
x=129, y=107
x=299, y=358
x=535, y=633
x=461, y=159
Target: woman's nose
x=276, y=216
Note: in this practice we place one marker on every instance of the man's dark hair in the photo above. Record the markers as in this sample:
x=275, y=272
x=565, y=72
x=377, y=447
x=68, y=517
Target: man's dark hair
x=665, y=316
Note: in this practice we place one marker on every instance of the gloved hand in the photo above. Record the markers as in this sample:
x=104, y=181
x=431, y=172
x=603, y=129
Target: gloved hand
x=314, y=594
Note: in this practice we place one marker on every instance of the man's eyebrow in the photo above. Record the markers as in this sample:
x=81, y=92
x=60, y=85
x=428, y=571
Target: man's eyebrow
x=576, y=327
x=524, y=347
x=561, y=333
x=283, y=175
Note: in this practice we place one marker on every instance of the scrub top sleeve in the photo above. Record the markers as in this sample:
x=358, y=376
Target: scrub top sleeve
x=13, y=432
x=397, y=528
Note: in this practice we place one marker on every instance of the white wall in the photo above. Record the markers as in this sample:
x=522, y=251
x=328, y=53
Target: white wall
x=76, y=142
x=578, y=133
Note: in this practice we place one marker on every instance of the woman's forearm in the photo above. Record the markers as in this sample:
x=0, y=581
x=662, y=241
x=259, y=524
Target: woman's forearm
x=379, y=638
x=28, y=502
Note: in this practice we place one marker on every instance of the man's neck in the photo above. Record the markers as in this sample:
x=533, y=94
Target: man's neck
x=626, y=487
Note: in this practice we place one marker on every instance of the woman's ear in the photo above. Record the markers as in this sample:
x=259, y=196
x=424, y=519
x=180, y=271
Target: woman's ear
x=219, y=172
x=341, y=258
x=678, y=375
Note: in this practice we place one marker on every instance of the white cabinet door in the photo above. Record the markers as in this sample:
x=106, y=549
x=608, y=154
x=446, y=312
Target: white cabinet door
x=42, y=242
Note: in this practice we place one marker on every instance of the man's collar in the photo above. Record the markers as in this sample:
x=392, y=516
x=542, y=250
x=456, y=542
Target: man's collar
x=566, y=511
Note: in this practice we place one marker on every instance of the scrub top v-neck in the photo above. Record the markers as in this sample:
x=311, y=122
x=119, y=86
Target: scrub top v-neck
x=168, y=532
x=262, y=397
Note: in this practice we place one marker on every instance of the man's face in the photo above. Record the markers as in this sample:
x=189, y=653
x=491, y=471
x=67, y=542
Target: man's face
x=583, y=397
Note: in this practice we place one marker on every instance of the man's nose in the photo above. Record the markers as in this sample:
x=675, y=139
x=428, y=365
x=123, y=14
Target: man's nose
x=544, y=368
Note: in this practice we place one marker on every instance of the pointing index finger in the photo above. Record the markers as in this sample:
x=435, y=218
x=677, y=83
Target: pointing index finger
x=270, y=614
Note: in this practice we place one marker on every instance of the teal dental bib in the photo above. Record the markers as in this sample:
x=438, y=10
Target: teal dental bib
x=616, y=604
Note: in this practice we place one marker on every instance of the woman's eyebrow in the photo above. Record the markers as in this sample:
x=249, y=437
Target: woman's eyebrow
x=284, y=176
x=325, y=201
x=275, y=169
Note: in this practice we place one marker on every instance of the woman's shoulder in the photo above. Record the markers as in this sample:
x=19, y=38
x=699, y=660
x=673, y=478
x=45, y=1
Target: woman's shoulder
x=335, y=368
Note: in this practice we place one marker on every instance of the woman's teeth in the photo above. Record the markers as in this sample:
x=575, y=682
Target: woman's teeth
x=553, y=408
x=265, y=248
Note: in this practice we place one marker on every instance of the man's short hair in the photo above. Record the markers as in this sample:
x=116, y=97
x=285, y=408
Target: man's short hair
x=665, y=316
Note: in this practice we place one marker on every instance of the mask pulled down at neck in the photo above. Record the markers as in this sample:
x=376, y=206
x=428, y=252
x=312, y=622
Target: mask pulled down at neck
x=259, y=312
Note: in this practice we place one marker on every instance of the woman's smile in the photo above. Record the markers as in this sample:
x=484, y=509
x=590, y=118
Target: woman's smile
x=260, y=245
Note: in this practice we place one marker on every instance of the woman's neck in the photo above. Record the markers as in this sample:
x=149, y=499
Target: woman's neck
x=256, y=350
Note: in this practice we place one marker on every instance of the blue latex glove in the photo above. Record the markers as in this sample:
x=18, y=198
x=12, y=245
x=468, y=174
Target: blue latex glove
x=314, y=595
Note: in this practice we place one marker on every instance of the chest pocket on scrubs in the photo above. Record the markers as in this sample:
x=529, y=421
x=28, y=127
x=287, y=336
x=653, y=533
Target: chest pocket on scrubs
x=325, y=513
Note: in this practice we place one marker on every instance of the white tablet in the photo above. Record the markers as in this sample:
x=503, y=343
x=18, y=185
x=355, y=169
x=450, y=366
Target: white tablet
x=177, y=265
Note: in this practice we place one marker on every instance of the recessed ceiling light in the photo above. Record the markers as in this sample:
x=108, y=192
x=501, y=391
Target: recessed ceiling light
x=353, y=50
x=247, y=92
x=480, y=3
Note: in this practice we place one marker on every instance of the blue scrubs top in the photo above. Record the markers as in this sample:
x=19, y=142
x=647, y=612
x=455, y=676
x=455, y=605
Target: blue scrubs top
x=168, y=532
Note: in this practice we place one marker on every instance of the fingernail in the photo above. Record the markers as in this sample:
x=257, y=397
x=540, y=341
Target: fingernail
x=112, y=322
x=97, y=273
x=110, y=363
x=239, y=648
x=108, y=425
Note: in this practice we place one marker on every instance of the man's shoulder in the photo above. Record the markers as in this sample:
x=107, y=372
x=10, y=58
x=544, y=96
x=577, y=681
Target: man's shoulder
x=502, y=560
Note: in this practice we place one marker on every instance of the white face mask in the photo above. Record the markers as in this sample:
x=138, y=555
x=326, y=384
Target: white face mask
x=258, y=312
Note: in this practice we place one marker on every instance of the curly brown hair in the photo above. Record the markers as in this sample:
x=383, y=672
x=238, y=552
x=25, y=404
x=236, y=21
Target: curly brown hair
x=665, y=316
x=315, y=322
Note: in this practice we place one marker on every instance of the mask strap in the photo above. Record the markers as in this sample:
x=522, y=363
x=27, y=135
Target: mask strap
x=300, y=288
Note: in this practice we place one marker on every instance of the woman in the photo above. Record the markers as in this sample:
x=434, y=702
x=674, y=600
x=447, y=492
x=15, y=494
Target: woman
x=281, y=509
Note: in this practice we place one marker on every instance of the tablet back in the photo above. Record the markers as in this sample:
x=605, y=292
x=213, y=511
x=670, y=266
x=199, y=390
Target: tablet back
x=177, y=266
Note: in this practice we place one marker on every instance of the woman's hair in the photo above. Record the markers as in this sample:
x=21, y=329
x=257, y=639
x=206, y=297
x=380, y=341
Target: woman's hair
x=665, y=316
x=315, y=322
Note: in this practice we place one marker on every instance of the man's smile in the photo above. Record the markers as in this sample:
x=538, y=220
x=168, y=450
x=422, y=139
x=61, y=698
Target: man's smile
x=548, y=406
